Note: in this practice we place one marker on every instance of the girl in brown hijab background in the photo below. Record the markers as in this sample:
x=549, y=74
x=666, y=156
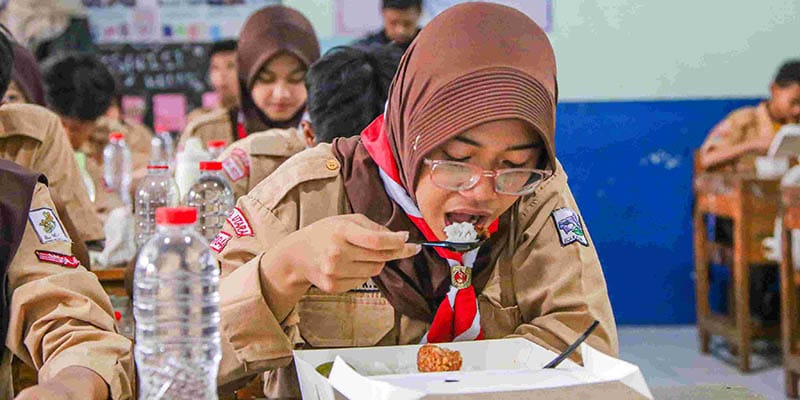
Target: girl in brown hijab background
x=325, y=251
x=277, y=45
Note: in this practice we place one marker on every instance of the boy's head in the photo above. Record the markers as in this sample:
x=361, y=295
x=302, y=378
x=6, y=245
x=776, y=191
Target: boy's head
x=347, y=89
x=80, y=89
x=222, y=72
x=785, y=90
x=401, y=19
x=7, y=54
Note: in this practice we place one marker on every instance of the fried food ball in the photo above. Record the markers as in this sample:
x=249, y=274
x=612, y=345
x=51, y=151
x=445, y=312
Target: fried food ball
x=432, y=358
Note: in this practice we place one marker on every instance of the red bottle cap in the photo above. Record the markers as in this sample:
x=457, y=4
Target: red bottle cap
x=210, y=166
x=213, y=144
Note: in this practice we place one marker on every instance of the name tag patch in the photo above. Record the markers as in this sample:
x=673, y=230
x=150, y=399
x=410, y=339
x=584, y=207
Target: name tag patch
x=58, y=259
x=569, y=227
x=47, y=226
x=240, y=224
x=220, y=241
x=237, y=165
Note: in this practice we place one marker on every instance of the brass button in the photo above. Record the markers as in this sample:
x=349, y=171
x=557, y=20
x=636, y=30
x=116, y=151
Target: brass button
x=332, y=165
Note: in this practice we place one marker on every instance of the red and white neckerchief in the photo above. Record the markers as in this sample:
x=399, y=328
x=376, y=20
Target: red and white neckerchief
x=241, y=131
x=458, y=317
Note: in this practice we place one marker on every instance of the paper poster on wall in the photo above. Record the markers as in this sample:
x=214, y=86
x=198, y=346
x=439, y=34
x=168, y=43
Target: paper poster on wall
x=351, y=19
x=210, y=100
x=134, y=107
x=540, y=11
x=169, y=21
x=169, y=111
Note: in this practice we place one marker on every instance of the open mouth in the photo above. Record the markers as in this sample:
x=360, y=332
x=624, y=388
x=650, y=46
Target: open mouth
x=475, y=218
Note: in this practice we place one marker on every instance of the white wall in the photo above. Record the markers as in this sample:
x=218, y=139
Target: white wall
x=623, y=49
x=640, y=49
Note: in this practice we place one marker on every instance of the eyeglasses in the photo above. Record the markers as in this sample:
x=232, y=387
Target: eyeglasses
x=459, y=176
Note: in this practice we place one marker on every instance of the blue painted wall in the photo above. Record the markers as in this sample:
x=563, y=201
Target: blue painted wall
x=630, y=168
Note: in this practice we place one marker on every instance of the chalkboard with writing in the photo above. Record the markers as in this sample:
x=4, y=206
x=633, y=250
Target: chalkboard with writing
x=148, y=70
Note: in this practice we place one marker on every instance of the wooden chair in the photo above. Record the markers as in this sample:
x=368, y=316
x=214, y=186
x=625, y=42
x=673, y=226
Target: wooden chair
x=752, y=204
x=789, y=283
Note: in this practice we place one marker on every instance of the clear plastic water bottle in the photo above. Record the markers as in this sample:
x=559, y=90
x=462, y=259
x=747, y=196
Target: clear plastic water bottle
x=212, y=196
x=176, y=307
x=117, y=167
x=156, y=190
x=216, y=148
x=162, y=148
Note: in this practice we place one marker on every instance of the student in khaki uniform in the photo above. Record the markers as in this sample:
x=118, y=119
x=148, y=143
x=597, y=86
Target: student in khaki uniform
x=276, y=46
x=34, y=138
x=80, y=89
x=324, y=252
x=222, y=75
x=347, y=89
x=54, y=314
x=733, y=144
x=746, y=133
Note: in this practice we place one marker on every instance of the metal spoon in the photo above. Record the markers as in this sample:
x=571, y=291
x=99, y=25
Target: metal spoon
x=461, y=247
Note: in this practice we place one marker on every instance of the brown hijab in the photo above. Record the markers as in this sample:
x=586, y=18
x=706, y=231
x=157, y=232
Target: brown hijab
x=269, y=32
x=472, y=64
x=27, y=75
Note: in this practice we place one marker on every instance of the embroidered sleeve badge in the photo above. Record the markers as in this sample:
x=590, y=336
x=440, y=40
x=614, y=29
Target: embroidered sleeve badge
x=47, y=226
x=237, y=165
x=240, y=224
x=220, y=241
x=569, y=227
x=57, y=258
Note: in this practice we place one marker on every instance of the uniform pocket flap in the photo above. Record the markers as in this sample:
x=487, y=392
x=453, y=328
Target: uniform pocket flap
x=347, y=320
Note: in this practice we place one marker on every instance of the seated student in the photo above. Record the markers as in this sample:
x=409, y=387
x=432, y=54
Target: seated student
x=747, y=132
x=277, y=44
x=81, y=90
x=58, y=320
x=222, y=75
x=326, y=250
x=744, y=134
x=400, y=24
x=347, y=89
x=34, y=138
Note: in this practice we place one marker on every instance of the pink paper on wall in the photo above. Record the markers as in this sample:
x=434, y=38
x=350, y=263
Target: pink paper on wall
x=169, y=111
x=210, y=100
x=353, y=18
x=134, y=108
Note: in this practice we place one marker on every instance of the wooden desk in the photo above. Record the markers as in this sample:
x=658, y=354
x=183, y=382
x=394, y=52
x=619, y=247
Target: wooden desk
x=789, y=279
x=113, y=280
x=752, y=204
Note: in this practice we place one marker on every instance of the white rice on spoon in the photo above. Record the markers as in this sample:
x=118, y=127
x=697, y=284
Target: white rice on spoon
x=461, y=232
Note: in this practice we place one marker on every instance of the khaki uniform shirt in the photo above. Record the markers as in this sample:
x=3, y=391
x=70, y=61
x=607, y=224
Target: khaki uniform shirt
x=740, y=126
x=248, y=161
x=198, y=113
x=33, y=137
x=59, y=314
x=215, y=125
x=540, y=288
